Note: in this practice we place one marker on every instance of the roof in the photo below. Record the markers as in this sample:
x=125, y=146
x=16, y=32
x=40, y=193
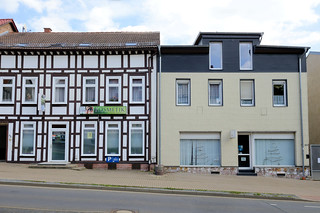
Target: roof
x=80, y=40
x=10, y=21
x=268, y=49
x=184, y=49
x=227, y=35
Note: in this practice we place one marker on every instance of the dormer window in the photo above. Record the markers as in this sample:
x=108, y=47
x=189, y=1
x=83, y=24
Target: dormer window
x=245, y=50
x=215, y=56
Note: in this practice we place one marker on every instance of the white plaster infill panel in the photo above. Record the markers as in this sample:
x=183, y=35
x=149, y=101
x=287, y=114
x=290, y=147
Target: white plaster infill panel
x=137, y=61
x=113, y=61
x=60, y=61
x=136, y=110
x=29, y=110
x=90, y=61
x=30, y=62
x=8, y=61
x=59, y=110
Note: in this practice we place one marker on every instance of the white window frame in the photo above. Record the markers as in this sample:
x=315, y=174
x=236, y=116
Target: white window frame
x=284, y=83
x=106, y=135
x=183, y=81
x=66, y=130
x=113, y=85
x=210, y=53
x=23, y=123
x=253, y=92
x=136, y=85
x=240, y=56
x=84, y=91
x=2, y=78
x=60, y=85
x=289, y=136
x=24, y=86
x=84, y=123
x=143, y=136
x=219, y=82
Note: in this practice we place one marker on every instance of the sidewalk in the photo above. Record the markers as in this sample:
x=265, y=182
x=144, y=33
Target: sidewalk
x=303, y=189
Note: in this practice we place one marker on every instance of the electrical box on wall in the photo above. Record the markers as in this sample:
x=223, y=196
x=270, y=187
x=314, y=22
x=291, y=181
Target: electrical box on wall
x=233, y=133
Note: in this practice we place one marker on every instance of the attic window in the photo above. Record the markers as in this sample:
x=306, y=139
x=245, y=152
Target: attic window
x=131, y=44
x=85, y=45
x=57, y=45
x=21, y=45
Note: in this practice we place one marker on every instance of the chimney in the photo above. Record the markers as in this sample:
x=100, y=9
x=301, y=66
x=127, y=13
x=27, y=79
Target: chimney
x=47, y=30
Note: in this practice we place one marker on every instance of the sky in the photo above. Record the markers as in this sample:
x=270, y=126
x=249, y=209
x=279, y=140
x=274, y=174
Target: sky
x=283, y=22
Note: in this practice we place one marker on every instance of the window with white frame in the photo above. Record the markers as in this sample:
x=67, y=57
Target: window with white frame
x=200, y=149
x=247, y=92
x=28, y=136
x=136, y=138
x=29, y=91
x=183, y=93
x=245, y=49
x=113, y=138
x=215, y=92
x=60, y=90
x=90, y=90
x=89, y=138
x=7, y=90
x=113, y=89
x=215, y=55
x=274, y=150
x=279, y=92
x=137, y=89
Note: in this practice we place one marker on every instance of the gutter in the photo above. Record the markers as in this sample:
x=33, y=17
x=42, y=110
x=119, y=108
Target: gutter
x=301, y=113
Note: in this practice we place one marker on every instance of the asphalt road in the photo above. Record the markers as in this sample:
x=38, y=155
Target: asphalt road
x=41, y=199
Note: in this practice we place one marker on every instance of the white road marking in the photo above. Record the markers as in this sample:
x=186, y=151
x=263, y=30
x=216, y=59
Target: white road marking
x=272, y=204
x=317, y=207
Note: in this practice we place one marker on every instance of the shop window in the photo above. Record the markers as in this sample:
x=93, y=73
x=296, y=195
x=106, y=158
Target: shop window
x=113, y=138
x=183, y=93
x=7, y=90
x=215, y=92
x=90, y=90
x=136, y=138
x=89, y=138
x=245, y=49
x=246, y=92
x=279, y=93
x=113, y=90
x=28, y=138
x=215, y=55
x=137, y=89
x=60, y=89
x=29, y=90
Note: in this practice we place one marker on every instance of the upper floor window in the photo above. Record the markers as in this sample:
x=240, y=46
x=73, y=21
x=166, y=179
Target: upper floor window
x=183, y=93
x=246, y=92
x=59, y=93
x=215, y=55
x=113, y=89
x=245, y=55
x=90, y=90
x=29, y=91
x=279, y=93
x=215, y=92
x=7, y=90
x=137, y=86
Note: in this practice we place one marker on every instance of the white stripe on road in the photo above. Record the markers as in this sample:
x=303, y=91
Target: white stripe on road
x=317, y=207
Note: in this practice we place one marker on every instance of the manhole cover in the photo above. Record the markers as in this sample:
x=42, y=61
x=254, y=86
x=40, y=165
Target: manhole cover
x=123, y=211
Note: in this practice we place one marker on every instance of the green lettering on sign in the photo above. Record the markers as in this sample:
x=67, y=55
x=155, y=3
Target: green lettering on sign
x=103, y=110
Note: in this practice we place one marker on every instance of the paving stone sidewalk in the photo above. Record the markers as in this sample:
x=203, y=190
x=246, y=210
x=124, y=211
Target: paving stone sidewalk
x=304, y=189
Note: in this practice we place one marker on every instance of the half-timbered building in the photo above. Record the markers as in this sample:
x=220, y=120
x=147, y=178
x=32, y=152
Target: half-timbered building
x=78, y=97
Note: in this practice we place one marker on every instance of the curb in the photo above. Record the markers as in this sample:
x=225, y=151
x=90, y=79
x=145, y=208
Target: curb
x=269, y=196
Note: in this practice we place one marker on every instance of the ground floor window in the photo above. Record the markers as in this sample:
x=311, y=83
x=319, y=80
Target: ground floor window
x=202, y=152
x=274, y=152
x=28, y=138
x=89, y=138
x=136, y=136
x=113, y=138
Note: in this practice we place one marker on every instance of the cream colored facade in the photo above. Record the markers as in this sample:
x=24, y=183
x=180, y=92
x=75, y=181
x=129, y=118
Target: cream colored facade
x=313, y=65
x=199, y=117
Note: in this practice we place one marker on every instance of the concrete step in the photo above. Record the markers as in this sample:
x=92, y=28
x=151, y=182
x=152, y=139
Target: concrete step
x=49, y=165
x=246, y=173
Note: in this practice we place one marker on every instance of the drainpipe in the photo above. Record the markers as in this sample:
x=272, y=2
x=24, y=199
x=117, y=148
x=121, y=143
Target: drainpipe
x=159, y=162
x=301, y=113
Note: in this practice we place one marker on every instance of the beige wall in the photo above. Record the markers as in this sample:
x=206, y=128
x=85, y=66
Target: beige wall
x=313, y=65
x=6, y=27
x=199, y=117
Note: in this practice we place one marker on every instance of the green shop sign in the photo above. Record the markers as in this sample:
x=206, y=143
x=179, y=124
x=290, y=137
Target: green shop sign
x=103, y=110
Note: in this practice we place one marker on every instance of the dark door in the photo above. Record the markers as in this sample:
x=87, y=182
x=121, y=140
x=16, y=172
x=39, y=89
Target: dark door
x=244, y=155
x=3, y=142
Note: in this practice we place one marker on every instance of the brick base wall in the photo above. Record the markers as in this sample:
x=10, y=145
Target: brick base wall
x=118, y=166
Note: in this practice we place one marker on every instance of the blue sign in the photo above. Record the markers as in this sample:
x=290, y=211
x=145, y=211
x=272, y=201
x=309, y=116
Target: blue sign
x=112, y=159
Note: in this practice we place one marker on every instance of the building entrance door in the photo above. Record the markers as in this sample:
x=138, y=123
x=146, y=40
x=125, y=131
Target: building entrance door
x=3, y=142
x=58, y=144
x=244, y=152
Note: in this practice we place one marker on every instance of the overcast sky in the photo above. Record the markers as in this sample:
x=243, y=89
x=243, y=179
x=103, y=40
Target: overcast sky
x=284, y=22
